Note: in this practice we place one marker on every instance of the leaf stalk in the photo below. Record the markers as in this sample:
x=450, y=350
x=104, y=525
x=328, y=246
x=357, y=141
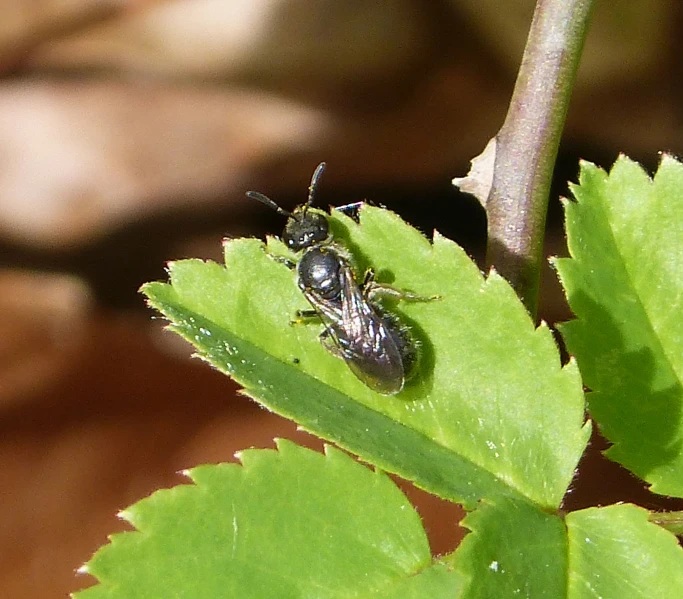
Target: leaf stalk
x=527, y=143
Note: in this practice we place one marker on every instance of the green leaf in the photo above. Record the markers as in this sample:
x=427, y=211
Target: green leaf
x=327, y=411
x=290, y=523
x=614, y=552
x=492, y=412
x=624, y=282
x=516, y=550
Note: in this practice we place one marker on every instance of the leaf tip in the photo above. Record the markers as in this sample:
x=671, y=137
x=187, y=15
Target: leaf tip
x=283, y=445
x=125, y=515
x=668, y=158
x=331, y=451
x=587, y=171
x=83, y=569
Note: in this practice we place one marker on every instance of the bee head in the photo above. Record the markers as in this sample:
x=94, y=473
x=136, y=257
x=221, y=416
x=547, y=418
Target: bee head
x=304, y=228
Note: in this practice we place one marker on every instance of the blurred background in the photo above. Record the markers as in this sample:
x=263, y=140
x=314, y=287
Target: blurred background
x=129, y=132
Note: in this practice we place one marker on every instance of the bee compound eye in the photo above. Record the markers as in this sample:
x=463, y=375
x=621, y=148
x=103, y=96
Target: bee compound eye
x=320, y=226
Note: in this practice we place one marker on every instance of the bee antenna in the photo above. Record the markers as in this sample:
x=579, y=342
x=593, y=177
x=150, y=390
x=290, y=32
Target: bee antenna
x=315, y=179
x=255, y=195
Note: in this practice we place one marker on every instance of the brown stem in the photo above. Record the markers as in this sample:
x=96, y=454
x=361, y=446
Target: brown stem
x=526, y=145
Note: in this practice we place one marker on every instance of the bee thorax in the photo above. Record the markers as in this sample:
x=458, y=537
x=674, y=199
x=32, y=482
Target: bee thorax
x=318, y=272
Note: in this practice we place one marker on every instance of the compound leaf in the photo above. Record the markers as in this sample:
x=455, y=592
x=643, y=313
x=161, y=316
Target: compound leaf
x=290, y=523
x=624, y=282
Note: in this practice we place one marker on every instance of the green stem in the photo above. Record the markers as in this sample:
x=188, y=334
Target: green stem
x=671, y=521
x=526, y=145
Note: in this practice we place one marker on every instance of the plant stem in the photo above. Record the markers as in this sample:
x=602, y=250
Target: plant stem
x=671, y=521
x=526, y=145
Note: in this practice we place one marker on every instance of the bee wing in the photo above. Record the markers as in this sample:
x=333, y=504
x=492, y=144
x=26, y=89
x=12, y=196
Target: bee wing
x=350, y=318
x=373, y=355
x=361, y=335
x=361, y=322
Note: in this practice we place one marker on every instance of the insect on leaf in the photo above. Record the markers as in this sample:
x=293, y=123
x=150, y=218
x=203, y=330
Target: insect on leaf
x=492, y=411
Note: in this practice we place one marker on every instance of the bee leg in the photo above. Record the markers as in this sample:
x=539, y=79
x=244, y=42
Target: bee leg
x=286, y=261
x=304, y=316
x=332, y=347
x=372, y=291
x=369, y=278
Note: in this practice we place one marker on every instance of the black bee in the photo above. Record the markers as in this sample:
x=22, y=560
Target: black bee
x=377, y=348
